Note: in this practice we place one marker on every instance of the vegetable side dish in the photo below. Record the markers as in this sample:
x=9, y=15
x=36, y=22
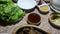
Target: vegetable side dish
x=10, y=11
x=55, y=18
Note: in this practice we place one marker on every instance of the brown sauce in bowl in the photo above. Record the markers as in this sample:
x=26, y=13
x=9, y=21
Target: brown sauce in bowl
x=34, y=18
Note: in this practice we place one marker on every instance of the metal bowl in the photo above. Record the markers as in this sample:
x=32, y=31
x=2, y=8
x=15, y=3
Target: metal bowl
x=55, y=5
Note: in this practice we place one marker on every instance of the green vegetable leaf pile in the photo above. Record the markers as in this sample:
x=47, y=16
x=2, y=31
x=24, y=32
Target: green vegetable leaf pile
x=10, y=11
x=56, y=16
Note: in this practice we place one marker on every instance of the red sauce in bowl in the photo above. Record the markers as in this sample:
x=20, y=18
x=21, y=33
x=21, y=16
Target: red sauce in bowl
x=34, y=18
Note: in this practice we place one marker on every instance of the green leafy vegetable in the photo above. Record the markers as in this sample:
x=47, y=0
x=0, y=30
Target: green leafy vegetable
x=10, y=11
x=56, y=16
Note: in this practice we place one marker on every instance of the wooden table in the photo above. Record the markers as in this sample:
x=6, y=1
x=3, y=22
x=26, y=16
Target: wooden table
x=44, y=24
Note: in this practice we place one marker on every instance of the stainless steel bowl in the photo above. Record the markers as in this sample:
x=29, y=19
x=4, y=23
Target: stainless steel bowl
x=55, y=5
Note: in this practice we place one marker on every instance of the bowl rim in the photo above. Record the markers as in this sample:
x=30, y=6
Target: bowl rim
x=54, y=9
x=27, y=8
x=44, y=5
x=31, y=22
x=26, y=25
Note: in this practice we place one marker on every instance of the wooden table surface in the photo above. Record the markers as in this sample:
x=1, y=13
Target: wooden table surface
x=44, y=24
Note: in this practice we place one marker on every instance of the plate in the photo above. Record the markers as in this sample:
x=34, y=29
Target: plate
x=26, y=4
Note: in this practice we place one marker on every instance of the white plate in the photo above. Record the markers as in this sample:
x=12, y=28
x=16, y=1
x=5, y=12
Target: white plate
x=26, y=4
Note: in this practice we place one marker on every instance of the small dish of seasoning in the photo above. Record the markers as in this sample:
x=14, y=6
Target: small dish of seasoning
x=44, y=8
x=33, y=19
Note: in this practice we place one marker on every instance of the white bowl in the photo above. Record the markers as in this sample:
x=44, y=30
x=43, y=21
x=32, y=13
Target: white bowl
x=44, y=11
x=26, y=4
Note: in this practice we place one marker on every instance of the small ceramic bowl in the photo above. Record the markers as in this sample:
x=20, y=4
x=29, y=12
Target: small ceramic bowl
x=34, y=19
x=44, y=8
